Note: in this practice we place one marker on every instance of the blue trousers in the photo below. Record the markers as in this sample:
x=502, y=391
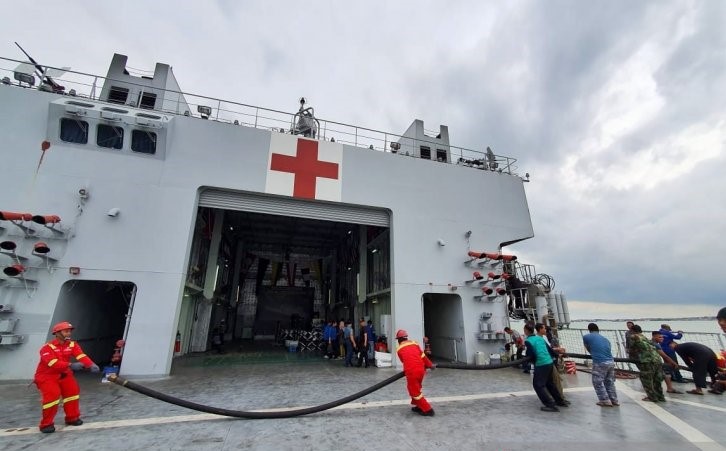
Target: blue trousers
x=545, y=387
x=348, y=353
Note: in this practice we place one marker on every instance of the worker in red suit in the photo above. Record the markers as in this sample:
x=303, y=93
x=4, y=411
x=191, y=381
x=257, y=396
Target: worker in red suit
x=54, y=377
x=415, y=363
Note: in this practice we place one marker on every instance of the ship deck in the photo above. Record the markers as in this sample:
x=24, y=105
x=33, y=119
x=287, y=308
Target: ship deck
x=482, y=410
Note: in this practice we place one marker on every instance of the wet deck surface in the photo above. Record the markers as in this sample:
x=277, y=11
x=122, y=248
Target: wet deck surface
x=477, y=410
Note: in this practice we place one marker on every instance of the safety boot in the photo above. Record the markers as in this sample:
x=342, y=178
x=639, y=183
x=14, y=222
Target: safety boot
x=77, y=422
x=47, y=429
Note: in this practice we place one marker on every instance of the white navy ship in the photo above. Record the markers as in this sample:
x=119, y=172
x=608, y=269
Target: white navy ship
x=139, y=212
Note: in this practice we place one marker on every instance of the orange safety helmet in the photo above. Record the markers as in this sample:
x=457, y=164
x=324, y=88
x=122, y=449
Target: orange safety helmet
x=401, y=334
x=63, y=325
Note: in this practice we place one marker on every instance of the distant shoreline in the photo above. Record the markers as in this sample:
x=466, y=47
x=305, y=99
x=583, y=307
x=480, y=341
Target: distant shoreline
x=694, y=318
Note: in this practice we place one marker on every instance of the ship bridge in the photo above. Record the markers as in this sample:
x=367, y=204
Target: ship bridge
x=159, y=90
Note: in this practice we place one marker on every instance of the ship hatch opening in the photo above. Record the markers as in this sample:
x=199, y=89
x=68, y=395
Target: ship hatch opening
x=100, y=312
x=259, y=284
x=444, y=326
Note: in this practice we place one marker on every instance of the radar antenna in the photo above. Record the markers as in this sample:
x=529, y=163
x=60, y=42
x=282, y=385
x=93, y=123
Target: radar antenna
x=492, y=159
x=304, y=122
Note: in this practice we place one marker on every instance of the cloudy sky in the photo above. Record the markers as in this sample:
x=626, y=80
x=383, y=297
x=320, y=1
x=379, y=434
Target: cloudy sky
x=617, y=109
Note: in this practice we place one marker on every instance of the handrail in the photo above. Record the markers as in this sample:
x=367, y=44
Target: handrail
x=87, y=86
x=571, y=339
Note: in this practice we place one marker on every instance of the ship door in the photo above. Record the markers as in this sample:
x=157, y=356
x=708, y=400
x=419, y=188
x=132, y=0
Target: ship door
x=266, y=272
x=444, y=326
x=100, y=312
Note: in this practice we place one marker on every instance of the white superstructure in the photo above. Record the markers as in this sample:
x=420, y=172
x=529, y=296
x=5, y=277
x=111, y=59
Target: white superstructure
x=179, y=213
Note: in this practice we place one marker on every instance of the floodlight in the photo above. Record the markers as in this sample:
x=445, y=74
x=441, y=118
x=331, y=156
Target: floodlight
x=21, y=77
x=204, y=110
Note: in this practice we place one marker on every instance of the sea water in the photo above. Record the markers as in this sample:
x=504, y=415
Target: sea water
x=649, y=325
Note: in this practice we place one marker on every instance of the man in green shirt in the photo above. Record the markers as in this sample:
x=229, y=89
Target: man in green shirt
x=649, y=365
x=539, y=352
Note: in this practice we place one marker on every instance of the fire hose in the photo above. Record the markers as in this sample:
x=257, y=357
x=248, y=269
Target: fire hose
x=250, y=414
x=284, y=413
x=313, y=409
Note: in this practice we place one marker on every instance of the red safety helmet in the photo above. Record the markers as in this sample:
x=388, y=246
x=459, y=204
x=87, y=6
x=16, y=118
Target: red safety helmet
x=401, y=334
x=721, y=360
x=63, y=325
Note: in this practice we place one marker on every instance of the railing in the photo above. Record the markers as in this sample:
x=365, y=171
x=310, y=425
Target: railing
x=571, y=339
x=89, y=86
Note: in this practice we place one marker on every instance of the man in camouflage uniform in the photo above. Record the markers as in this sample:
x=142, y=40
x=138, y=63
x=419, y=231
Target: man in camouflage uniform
x=650, y=365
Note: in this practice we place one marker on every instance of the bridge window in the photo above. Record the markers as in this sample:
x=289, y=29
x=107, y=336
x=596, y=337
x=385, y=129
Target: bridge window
x=441, y=155
x=118, y=95
x=148, y=100
x=74, y=131
x=425, y=153
x=143, y=141
x=109, y=136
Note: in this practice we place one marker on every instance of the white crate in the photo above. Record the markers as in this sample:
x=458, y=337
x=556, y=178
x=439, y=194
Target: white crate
x=383, y=357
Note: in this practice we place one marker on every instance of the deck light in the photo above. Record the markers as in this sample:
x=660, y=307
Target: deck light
x=29, y=79
x=205, y=111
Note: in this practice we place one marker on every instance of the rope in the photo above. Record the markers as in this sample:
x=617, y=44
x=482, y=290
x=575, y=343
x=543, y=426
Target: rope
x=617, y=359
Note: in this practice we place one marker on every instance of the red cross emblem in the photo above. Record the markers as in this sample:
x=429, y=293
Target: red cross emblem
x=305, y=167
